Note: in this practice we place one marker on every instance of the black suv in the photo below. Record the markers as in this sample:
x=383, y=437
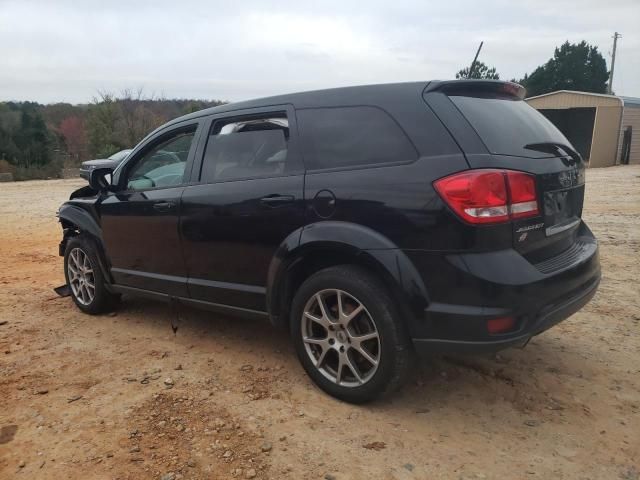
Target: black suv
x=371, y=222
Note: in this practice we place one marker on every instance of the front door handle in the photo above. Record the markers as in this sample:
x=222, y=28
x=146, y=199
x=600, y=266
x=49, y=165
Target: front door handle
x=277, y=200
x=164, y=206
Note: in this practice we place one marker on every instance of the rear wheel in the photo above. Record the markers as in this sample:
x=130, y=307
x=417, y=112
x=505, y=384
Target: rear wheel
x=348, y=335
x=84, y=276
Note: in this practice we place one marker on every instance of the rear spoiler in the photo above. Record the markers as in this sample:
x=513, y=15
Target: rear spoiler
x=466, y=87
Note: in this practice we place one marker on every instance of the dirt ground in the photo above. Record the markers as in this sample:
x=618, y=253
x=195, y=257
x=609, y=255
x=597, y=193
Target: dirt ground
x=87, y=397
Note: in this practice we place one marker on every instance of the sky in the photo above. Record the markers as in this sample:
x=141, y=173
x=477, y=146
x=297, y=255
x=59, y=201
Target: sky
x=68, y=51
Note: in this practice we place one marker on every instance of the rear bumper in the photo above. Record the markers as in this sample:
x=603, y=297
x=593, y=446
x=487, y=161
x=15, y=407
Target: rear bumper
x=470, y=289
x=545, y=320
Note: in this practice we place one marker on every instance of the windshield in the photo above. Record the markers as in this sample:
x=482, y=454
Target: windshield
x=507, y=125
x=121, y=155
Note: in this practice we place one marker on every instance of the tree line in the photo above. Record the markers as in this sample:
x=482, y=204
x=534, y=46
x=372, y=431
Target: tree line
x=574, y=66
x=37, y=141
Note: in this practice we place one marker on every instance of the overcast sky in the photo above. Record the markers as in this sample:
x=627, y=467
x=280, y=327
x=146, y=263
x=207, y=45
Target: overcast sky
x=59, y=50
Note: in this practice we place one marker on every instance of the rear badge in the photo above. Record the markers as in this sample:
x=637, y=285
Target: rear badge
x=523, y=231
x=528, y=228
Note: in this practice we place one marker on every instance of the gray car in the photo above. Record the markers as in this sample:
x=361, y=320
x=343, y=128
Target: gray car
x=112, y=162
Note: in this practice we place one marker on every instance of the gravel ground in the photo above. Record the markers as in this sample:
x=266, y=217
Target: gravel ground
x=120, y=396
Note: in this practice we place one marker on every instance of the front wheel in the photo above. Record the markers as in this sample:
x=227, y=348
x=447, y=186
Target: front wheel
x=84, y=276
x=348, y=334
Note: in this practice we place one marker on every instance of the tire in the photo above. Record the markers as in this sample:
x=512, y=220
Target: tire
x=82, y=250
x=359, y=379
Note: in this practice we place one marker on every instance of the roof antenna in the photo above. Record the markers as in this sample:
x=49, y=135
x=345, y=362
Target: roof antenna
x=475, y=59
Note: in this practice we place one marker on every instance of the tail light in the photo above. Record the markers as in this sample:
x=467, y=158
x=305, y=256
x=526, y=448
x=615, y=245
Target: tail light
x=523, y=201
x=489, y=196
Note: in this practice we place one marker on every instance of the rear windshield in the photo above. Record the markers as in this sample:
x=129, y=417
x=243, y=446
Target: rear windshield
x=506, y=124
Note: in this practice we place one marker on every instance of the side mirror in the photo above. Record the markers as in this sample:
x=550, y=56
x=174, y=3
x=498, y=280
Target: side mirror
x=98, y=179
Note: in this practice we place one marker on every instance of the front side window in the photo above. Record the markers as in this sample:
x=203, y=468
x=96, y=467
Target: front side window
x=163, y=165
x=247, y=148
x=351, y=136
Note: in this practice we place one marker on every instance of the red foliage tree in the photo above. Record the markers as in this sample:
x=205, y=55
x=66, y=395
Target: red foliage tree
x=73, y=131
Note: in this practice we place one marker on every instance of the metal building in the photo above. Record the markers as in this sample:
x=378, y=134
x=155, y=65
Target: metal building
x=605, y=129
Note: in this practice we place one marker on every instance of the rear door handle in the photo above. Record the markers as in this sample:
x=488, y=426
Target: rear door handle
x=277, y=200
x=164, y=206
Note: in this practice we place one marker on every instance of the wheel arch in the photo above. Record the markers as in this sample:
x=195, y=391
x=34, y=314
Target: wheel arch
x=75, y=221
x=326, y=244
x=73, y=216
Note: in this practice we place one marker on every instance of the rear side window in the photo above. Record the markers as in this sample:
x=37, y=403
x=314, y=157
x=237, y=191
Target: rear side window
x=351, y=136
x=247, y=147
x=506, y=124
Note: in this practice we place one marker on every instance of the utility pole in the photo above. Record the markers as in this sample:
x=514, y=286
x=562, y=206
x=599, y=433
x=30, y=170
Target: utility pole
x=473, y=64
x=616, y=36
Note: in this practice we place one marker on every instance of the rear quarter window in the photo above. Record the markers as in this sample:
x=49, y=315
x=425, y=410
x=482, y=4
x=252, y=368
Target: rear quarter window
x=506, y=124
x=339, y=137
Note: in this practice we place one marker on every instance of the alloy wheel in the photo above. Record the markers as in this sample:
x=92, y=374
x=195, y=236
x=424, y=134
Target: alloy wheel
x=340, y=337
x=81, y=277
